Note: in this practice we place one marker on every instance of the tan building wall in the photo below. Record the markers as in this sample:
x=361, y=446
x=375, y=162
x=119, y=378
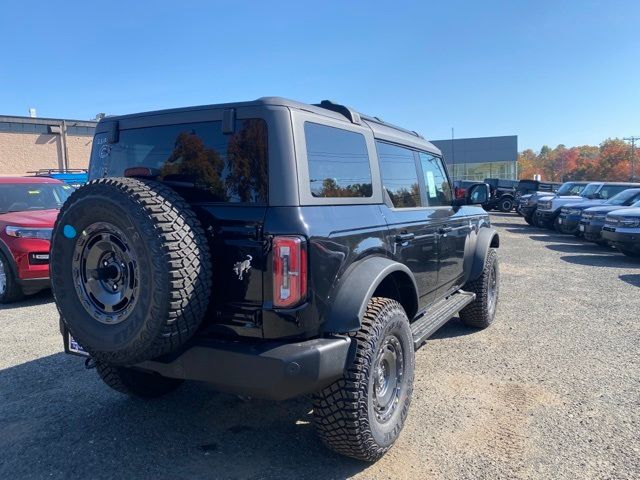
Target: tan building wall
x=25, y=152
x=30, y=144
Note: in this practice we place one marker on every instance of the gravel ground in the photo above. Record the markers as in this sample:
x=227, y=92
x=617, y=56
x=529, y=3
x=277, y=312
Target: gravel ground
x=551, y=390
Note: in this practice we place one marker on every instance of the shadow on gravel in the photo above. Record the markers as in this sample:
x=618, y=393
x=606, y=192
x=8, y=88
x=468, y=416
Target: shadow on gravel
x=582, y=247
x=631, y=279
x=555, y=237
x=58, y=420
x=39, y=298
x=453, y=328
x=614, y=260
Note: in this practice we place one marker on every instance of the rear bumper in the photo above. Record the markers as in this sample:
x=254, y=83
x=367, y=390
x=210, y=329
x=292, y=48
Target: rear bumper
x=271, y=370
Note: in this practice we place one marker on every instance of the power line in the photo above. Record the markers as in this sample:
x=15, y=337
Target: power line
x=632, y=139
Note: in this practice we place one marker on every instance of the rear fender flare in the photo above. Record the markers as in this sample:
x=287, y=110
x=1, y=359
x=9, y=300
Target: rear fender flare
x=356, y=289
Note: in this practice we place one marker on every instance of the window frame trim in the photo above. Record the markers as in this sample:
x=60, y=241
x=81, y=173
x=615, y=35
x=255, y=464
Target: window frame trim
x=446, y=172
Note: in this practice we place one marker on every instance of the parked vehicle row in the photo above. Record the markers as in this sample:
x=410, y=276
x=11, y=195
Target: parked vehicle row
x=607, y=213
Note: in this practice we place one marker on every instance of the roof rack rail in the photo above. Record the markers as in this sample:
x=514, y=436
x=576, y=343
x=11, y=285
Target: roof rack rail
x=49, y=171
x=390, y=125
x=351, y=115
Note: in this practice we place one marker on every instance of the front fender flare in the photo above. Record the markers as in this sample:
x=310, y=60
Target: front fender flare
x=487, y=238
x=356, y=288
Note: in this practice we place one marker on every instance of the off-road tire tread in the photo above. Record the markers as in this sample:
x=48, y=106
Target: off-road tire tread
x=186, y=256
x=136, y=383
x=476, y=314
x=340, y=410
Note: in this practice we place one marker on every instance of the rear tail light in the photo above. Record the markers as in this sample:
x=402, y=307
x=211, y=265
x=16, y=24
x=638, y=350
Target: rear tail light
x=289, y=271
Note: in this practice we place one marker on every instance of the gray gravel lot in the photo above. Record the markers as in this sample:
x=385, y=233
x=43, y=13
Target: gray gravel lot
x=550, y=391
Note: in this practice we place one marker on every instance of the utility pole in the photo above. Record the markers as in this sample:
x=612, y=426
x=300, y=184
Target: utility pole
x=633, y=139
x=453, y=156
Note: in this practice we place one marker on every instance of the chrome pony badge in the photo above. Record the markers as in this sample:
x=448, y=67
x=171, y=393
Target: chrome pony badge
x=240, y=268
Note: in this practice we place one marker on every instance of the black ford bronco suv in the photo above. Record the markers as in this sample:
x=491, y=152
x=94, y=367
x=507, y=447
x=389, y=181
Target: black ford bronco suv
x=273, y=249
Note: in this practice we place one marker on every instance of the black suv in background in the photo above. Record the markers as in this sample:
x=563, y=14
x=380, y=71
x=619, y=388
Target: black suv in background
x=273, y=249
x=502, y=194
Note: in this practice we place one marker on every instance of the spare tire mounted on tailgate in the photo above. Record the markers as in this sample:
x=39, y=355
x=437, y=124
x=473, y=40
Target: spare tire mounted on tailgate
x=130, y=269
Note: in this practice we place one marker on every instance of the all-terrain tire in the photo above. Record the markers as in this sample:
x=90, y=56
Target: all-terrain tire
x=11, y=291
x=506, y=205
x=347, y=413
x=481, y=312
x=169, y=267
x=136, y=383
x=528, y=219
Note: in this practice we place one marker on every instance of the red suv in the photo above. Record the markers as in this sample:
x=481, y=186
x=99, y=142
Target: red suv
x=28, y=209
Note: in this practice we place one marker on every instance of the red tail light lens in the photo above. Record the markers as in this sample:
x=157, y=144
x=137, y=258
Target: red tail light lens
x=289, y=271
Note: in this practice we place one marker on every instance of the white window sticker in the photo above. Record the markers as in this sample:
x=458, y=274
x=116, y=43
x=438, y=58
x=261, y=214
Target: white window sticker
x=431, y=185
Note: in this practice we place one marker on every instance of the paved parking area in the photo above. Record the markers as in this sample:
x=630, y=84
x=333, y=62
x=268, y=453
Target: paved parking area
x=552, y=390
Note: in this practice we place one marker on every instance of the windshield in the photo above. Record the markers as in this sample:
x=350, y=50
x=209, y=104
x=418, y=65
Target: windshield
x=625, y=198
x=571, y=188
x=20, y=197
x=590, y=190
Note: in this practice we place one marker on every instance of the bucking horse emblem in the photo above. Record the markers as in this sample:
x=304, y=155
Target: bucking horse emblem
x=240, y=268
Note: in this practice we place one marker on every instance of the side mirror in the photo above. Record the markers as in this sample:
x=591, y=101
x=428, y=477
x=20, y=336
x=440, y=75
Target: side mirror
x=478, y=194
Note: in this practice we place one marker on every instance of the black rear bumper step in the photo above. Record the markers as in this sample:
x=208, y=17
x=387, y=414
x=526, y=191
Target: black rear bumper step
x=438, y=314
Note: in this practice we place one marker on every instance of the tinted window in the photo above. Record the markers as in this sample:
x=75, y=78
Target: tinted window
x=435, y=180
x=20, y=197
x=338, y=162
x=224, y=168
x=399, y=175
x=608, y=191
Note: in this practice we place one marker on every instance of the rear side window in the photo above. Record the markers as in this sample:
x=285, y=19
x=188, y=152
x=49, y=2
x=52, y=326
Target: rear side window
x=608, y=191
x=399, y=175
x=435, y=180
x=338, y=162
x=223, y=167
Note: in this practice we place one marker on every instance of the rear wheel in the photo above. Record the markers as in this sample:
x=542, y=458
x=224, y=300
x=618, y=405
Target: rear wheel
x=362, y=414
x=481, y=312
x=10, y=290
x=136, y=383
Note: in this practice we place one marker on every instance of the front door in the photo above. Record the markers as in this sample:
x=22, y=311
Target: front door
x=451, y=224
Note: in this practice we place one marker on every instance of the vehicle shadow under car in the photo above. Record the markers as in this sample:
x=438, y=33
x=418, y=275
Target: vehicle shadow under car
x=58, y=420
x=40, y=298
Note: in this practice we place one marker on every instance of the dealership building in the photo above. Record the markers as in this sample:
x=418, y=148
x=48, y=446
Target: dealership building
x=480, y=158
x=29, y=144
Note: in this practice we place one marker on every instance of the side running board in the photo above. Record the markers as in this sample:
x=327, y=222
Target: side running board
x=439, y=314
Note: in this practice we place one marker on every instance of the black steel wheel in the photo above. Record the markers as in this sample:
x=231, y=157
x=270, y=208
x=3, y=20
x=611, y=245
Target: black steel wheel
x=361, y=415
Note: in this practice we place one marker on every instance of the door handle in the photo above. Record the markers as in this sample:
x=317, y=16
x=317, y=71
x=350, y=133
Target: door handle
x=404, y=237
x=445, y=230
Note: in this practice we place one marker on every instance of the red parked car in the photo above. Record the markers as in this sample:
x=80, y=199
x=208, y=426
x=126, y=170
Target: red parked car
x=28, y=209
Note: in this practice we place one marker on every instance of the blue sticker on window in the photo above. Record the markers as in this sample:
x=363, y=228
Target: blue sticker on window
x=69, y=231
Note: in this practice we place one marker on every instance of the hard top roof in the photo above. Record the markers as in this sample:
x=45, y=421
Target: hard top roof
x=381, y=129
x=29, y=180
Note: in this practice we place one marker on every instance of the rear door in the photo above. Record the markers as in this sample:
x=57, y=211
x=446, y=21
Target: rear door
x=412, y=231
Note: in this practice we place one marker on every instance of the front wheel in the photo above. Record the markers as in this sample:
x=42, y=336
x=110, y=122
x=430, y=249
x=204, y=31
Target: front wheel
x=10, y=290
x=481, y=312
x=361, y=415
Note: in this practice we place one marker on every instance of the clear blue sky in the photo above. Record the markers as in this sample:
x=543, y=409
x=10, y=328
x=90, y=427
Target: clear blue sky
x=549, y=71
